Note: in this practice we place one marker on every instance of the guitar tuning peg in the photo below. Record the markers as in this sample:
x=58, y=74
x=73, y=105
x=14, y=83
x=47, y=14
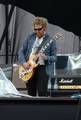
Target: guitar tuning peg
x=58, y=36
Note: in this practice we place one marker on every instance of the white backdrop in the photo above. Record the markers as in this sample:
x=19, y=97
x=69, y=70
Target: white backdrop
x=21, y=25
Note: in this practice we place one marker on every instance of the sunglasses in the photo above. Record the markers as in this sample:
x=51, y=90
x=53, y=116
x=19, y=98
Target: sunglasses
x=38, y=29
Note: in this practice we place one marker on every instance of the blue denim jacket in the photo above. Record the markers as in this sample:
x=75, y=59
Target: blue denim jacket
x=50, y=52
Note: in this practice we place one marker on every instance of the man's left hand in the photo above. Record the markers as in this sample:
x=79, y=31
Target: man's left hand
x=42, y=56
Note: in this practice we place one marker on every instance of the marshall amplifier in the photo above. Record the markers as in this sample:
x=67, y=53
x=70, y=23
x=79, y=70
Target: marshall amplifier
x=67, y=73
x=66, y=82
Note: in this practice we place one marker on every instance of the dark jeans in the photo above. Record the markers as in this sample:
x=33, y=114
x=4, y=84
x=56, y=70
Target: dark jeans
x=38, y=83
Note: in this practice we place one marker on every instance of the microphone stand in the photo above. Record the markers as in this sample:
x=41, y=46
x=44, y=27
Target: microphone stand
x=53, y=85
x=54, y=82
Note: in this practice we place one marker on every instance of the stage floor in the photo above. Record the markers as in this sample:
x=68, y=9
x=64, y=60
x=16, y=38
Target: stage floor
x=44, y=108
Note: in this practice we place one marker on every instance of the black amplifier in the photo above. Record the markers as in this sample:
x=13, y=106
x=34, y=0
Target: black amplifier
x=67, y=82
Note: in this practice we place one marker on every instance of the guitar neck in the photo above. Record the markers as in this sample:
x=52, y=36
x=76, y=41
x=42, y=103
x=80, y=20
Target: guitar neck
x=46, y=45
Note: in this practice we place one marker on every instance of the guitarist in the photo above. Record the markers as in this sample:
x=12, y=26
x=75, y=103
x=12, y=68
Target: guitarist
x=37, y=85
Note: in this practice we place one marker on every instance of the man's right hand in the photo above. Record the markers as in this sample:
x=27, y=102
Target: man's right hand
x=26, y=65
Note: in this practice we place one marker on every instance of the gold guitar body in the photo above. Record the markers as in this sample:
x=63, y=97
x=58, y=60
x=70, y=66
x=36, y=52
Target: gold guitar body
x=26, y=74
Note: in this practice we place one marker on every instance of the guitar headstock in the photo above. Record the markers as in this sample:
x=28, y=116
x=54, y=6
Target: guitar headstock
x=58, y=36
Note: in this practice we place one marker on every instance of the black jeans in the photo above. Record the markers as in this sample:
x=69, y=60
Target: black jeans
x=38, y=83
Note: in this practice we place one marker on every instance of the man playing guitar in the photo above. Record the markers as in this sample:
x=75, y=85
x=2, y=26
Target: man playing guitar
x=36, y=58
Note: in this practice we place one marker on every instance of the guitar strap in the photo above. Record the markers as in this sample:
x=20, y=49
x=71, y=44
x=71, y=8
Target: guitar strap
x=41, y=45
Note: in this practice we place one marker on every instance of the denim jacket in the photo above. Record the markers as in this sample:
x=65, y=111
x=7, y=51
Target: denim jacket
x=50, y=52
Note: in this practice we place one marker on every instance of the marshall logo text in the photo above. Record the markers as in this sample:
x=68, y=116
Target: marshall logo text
x=66, y=81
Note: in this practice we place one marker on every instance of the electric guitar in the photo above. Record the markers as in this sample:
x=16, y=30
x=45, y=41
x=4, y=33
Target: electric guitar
x=26, y=74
